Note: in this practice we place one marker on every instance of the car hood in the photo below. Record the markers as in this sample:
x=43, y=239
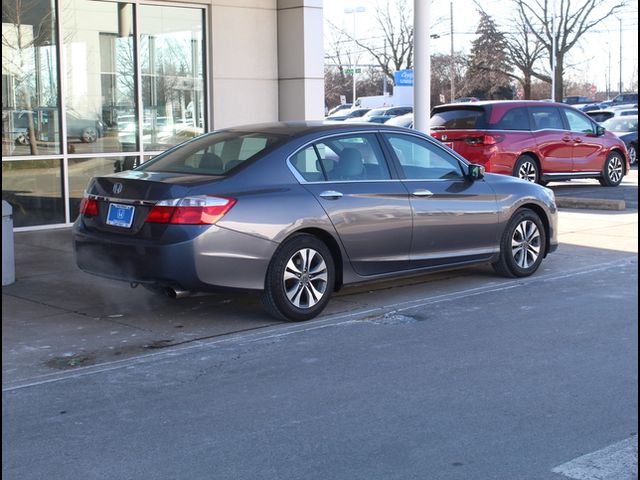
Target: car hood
x=626, y=136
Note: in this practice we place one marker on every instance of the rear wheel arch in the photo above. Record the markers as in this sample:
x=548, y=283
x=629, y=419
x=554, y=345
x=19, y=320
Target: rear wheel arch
x=333, y=246
x=534, y=158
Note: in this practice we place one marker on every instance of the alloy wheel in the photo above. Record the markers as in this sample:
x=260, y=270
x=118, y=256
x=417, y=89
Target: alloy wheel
x=614, y=169
x=305, y=278
x=526, y=244
x=528, y=171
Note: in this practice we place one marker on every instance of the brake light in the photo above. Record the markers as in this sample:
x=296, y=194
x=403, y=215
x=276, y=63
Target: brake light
x=89, y=207
x=199, y=210
x=483, y=140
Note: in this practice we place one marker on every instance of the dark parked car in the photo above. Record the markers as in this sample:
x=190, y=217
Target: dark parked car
x=576, y=100
x=535, y=141
x=381, y=115
x=626, y=127
x=345, y=114
x=604, y=115
x=88, y=128
x=297, y=210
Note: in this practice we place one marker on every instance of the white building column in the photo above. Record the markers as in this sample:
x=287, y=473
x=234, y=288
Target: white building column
x=300, y=60
x=422, y=65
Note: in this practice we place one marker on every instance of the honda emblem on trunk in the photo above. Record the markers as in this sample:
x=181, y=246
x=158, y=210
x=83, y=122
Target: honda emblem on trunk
x=117, y=188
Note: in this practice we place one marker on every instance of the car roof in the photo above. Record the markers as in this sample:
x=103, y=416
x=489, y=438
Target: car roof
x=300, y=128
x=514, y=103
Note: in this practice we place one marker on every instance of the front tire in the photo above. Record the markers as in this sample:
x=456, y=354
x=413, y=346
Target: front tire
x=299, y=280
x=527, y=169
x=523, y=245
x=633, y=154
x=612, y=171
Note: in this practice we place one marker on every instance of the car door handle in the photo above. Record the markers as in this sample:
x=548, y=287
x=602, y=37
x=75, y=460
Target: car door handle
x=423, y=192
x=577, y=140
x=566, y=139
x=331, y=195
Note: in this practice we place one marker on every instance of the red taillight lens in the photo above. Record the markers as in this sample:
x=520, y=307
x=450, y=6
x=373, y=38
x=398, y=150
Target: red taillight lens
x=201, y=210
x=89, y=207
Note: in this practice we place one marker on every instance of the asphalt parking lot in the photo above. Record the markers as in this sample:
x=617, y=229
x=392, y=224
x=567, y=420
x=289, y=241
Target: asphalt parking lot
x=56, y=318
x=461, y=374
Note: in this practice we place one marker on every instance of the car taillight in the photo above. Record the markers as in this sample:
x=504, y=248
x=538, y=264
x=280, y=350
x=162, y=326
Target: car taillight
x=483, y=140
x=89, y=207
x=199, y=210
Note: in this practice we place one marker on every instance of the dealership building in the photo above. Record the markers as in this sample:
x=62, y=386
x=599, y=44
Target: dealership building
x=95, y=87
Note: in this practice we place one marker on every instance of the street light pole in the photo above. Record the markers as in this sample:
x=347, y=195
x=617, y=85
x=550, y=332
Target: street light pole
x=620, y=79
x=353, y=11
x=553, y=51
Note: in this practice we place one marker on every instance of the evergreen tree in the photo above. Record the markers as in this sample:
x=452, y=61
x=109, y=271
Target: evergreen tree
x=486, y=77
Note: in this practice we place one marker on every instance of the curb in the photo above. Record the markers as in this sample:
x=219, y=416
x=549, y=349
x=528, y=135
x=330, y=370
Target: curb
x=590, y=203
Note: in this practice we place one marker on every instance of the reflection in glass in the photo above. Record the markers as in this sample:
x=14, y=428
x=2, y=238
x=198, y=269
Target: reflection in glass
x=30, y=110
x=101, y=113
x=171, y=56
x=34, y=190
x=82, y=170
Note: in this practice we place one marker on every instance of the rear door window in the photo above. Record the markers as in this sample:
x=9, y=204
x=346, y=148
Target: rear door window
x=348, y=158
x=458, y=118
x=514, y=119
x=546, y=118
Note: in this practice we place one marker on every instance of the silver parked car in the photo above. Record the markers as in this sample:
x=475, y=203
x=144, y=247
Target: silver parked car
x=297, y=210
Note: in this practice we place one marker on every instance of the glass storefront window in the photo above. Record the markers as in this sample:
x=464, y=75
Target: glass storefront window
x=30, y=106
x=100, y=77
x=34, y=190
x=112, y=121
x=171, y=57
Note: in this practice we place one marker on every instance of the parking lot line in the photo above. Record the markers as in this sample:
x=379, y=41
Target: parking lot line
x=284, y=329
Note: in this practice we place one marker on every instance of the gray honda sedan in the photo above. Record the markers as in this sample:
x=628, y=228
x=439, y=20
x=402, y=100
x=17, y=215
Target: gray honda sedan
x=297, y=210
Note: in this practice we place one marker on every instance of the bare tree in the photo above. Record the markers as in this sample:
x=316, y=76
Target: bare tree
x=572, y=21
x=525, y=51
x=392, y=48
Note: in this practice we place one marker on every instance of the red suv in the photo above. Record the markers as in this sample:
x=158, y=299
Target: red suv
x=536, y=141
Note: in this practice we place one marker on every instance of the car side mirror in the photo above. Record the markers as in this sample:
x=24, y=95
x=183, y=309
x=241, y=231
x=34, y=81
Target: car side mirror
x=600, y=130
x=476, y=172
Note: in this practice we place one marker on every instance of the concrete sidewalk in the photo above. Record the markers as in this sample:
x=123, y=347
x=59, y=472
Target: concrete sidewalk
x=589, y=194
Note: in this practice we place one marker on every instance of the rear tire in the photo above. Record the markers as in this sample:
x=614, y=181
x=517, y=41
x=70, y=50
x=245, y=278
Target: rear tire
x=523, y=245
x=527, y=169
x=612, y=171
x=299, y=280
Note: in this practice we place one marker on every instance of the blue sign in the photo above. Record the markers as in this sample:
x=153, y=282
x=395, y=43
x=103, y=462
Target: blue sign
x=403, y=78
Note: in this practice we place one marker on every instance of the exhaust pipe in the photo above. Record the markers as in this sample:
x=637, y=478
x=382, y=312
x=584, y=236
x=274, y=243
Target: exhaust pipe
x=177, y=293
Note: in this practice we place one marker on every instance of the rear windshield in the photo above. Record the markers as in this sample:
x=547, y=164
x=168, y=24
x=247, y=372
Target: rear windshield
x=466, y=118
x=214, y=154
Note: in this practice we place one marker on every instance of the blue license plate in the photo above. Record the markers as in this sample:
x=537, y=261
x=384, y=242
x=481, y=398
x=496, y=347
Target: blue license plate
x=120, y=215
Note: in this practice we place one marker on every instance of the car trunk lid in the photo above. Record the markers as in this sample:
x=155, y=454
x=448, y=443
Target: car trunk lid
x=123, y=201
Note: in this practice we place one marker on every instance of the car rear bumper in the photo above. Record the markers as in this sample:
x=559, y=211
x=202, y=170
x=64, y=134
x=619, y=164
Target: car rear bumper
x=213, y=259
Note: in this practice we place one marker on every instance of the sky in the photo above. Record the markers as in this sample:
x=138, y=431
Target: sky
x=595, y=58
